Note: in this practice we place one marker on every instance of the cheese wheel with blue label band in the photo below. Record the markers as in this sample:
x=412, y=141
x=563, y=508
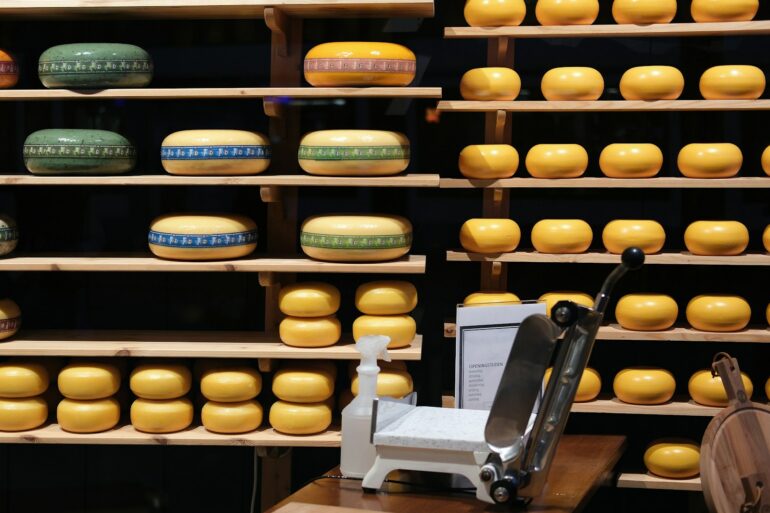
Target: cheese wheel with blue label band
x=10, y=318
x=9, y=234
x=202, y=237
x=215, y=152
x=75, y=151
x=357, y=63
x=354, y=153
x=356, y=238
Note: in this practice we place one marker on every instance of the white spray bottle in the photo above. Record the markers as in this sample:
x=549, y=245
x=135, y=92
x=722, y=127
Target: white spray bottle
x=358, y=453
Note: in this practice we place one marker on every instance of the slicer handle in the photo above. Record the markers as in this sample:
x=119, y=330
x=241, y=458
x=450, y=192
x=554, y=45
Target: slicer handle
x=631, y=260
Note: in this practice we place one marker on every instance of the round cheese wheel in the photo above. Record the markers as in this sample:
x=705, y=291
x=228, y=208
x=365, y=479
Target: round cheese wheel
x=51, y=364
x=356, y=238
x=649, y=236
x=652, y=83
x=215, y=152
x=494, y=13
x=732, y=83
x=390, y=383
x=705, y=11
x=485, y=298
x=588, y=388
x=561, y=236
x=202, y=237
x=673, y=459
x=646, y=312
x=310, y=331
x=644, y=385
x=716, y=238
x=353, y=63
x=303, y=384
x=643, y=12
x=485, y=235
x=160, y=380
x=635, y=160
x=766, y=237
x=386, y=297
x=9, y=233
x=167, y=416
x=718, y=313
x=551, y=298
x=95, y=66
x=488, y=161
x=400, y=328
x=566, y=12
x=354, y=153
x=75, y=151
x=767, y=383
x=9, y=70
x=710, y=160
x=395, y=365
x=300, y=419
x=309, y=299
x=231, y=418
x=19, y=379
x=22, y=414
x=767, y=315
x=709, y=390
x=231, y=384
x=10, y=318
x=572, y=83
x=87, y=381
x=557, y=161
x=490, y=84
x=766, y=161
x=88, y=416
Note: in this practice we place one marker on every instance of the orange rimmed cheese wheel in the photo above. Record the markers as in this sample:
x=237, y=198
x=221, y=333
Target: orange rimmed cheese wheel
x=484, y=235
x=631, y=160
x=9, y=70
x=709, y=390
x=644, y=385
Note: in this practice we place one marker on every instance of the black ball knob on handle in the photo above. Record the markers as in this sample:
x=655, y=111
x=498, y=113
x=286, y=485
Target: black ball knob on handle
x=632, y=258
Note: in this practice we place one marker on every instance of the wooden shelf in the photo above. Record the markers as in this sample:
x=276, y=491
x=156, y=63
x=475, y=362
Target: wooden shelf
x=758, y=259
x=742, y=28
x=603, y=106
x=673, y=408
x=609, y=183
x=651, y=482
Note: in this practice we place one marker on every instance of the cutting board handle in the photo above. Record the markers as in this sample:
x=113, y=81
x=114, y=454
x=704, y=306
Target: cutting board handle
x=726, y=367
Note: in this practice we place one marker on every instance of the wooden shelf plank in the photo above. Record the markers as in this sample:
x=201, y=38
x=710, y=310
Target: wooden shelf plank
x=674, y=408
x=684, y=258
x=673, y=182
x=181, y=344
x=651, y=482
x=603, y=106
x=741, y=28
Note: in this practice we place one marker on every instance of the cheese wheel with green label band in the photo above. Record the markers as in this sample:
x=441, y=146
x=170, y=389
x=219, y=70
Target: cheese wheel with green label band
x=561, y=236
x=9, y=70
x=720, y=238
x=484, y=235
x=500, y=13
x=358, y=63
x=488, y=161
x=88, y=416
x=566, y=12
x=231, y=418
x=390, y=383
x=202, y=237
x=644, y=385
x=588, y=388
x=650, y=83
x=572, y=83
x=231, y=384
x=631, y=160
x=215, y=152
x=386, y=297
x=9, y=234
x=710, y=160
x=76, y=151
x=356, y=238
x=10, y=318
x=618, y=235
x=160, y=380
x=487, y=297
x=708, y=390
x=354, y=153
x=490, y=84
x=400, y=328
x=720, y=313
x=95, y=66
x=167, y=416
x=22, y=414
x=673, y=459
x=643, y=12
x=646, y=312
x=310, y=331
x=20, y=379
x=732, y=82
x=551, y=298
x=89, y=381
x=556, y=161
x=302, y=384
x=396, y=365
x=300, y=419
x=309, y=299
x=707, y=11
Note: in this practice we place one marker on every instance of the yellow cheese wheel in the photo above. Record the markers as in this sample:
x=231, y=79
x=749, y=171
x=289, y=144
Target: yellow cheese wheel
x=10, y=318
x=716, y=238
x=202, y=237
x=395, y=365
x=557, y=161
x=231, y=384
x=566, y=12
x=303, y=384
x=488, y=297
x=400, y=328
x=652, y=83
x=488, y=161
x=89, y=380
x=709, y=390
x=166, y=416
x=644, y=385
x=551, y=298
x=386, y=297
x=767, y=383
x=572, y=83
x=710, y=160
x=704, y=11
x=766, y=237
x=309, y=299
x=215, y=152
x=390, y=383
x=767, y=313
x=354, y=153
x=483, y=235
x=646, y=312
x=732, y=83
x=310, y=331
x=356, y=238
x=719, y=313
x=561, y=236
x=490, y=84
x=631, y=160
x=588, y=388
x=766, y=161
x=358, y=63
x=231, y=418
x=649, y=236
x=494, y=13
x=679, y=459
x=88, y=416
x=300, y=419
x=52, y=365
x=19, y=379
x=643, y=12
x=160, y=380
x=22, y=414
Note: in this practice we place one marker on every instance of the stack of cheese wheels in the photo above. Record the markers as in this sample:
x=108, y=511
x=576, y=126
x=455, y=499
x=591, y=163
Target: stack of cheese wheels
x=488, y=161
x=22, y=383
x=572, y=83
x=215, y=152
x=644, y=385
x=490, y=84
x=393, y=380
x=356, y=63
x=647, y=235
x=561, y=236
x=162, y=405
x=202, y=237
x=306, y=397
x=716, y=238
x=588, y=388
x=631, y=160
x=501, y=13
x=386, y=305
x=551, y=298
x=710, y=160
x=356, y=238
x=673, y=459
x=9, y=70
x=556, y=161
x=485, y=235
x=9, y=234
x=10, y=318
x=646, y=312
x=310, y=308
x=230, y=389
x=89, y=404
x=708, y=389
x=720, y=313
x=354, y=153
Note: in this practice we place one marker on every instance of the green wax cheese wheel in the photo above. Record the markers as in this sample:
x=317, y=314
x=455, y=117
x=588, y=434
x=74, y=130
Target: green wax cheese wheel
x=78, y=152
x=95, y=65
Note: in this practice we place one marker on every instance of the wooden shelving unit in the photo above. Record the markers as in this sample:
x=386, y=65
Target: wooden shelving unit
x=651, y=482
x=604, y=106
x=677, y=408
x=608, y=183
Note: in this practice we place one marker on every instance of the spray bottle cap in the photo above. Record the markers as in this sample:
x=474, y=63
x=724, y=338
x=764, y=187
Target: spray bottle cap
x=371, y=348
